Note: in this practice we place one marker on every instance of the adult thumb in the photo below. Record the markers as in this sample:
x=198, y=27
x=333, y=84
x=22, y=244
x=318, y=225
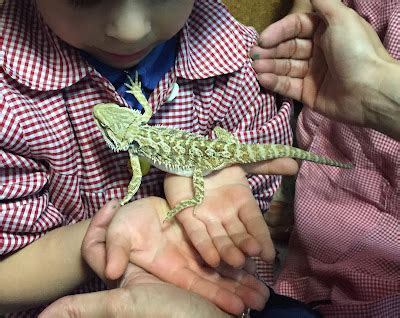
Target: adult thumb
x=79, y=306
x=331, y=11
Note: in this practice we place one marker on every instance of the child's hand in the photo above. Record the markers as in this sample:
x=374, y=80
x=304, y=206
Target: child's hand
x=228, y=224
x=135, y=233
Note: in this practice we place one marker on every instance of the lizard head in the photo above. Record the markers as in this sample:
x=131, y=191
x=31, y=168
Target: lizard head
x=114, y=122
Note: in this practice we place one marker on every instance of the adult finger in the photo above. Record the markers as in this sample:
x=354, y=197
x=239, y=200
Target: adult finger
x=287, y=67
x=300, y=25
x=243, y=278
x=225, y=298
x=280, y=166
x=250, y=266
x=331, y=11
x=252, y=291
x=294, y=48
x=283, y=85
x=231, y=295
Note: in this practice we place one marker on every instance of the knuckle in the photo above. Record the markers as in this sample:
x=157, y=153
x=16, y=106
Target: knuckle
x=304, y=68
x=66, y=305
x=114, y=299
x=285, y=85
x=291, y=48
x=296, y=46
x=86, y=249
x=288, y=67
x=298, y=26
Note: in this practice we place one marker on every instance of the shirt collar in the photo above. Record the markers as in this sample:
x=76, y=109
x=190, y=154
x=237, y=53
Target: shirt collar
x=212, y=43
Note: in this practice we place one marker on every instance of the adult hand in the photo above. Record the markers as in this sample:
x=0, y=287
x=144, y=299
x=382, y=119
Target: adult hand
x=140, y=295
x=326, y=60
x=228, y=224
x=135, y=233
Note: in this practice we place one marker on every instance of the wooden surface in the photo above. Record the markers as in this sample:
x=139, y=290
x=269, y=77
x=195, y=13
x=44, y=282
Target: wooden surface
x=258, y=13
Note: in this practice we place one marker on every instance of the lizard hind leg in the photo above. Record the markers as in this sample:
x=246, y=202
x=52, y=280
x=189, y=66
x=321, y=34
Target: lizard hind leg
x=198, y=184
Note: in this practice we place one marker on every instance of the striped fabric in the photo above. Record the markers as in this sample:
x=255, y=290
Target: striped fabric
x=55, y=168
x=344, y=252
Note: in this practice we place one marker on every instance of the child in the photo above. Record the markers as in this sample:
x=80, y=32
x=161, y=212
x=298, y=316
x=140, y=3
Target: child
x=59, y=59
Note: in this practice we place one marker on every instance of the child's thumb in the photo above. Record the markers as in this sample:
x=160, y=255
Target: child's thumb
x=118, y=249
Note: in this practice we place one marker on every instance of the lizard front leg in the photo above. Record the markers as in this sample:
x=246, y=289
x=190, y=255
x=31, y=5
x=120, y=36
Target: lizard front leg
x=136, y=177
x=198, y=185
x=135, y=88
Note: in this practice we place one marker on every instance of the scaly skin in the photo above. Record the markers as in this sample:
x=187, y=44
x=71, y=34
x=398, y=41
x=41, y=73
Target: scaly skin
x=180, y=152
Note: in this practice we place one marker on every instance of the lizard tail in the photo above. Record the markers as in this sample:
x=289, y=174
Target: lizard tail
x=274, y=151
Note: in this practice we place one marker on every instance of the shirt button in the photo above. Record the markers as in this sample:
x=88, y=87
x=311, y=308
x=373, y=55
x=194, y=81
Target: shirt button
x=174, y=93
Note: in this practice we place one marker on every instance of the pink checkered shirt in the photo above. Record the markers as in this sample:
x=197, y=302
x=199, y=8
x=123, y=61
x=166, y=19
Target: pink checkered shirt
x=345, y=248
x=55, y=167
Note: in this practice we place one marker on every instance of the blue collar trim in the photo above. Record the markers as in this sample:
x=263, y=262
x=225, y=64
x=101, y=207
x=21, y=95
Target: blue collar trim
x=151, y=70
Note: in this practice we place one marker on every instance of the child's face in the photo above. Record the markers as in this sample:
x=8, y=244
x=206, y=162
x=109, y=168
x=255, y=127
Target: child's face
x=119, y=33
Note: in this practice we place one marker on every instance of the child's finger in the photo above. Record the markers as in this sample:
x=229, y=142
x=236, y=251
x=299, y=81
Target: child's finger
x=281, y=166
x=257, y=228
x=102, y=220
x=238, y=234
x=197, y=232
x=93, y=249
x=228, y=251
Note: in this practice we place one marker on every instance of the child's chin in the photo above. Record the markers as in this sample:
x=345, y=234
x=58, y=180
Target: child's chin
x=119, y=64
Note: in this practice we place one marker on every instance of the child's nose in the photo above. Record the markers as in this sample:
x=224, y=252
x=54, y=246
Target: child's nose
x=129, y=24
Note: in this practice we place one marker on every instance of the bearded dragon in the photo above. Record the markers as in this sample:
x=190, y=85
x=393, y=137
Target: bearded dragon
x=180, y=152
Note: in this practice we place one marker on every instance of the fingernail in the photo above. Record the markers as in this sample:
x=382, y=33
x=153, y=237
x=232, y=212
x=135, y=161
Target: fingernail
x=255, y=56
x=114, y=203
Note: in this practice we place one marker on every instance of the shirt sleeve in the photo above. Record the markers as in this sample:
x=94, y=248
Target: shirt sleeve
x=257, y=116
x=25, y=209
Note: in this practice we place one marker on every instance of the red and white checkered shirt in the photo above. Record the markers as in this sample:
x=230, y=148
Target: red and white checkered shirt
x=345, y=248
x=55, y=167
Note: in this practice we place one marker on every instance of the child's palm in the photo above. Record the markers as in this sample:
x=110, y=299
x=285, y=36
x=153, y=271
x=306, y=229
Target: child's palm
x=228, y=224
